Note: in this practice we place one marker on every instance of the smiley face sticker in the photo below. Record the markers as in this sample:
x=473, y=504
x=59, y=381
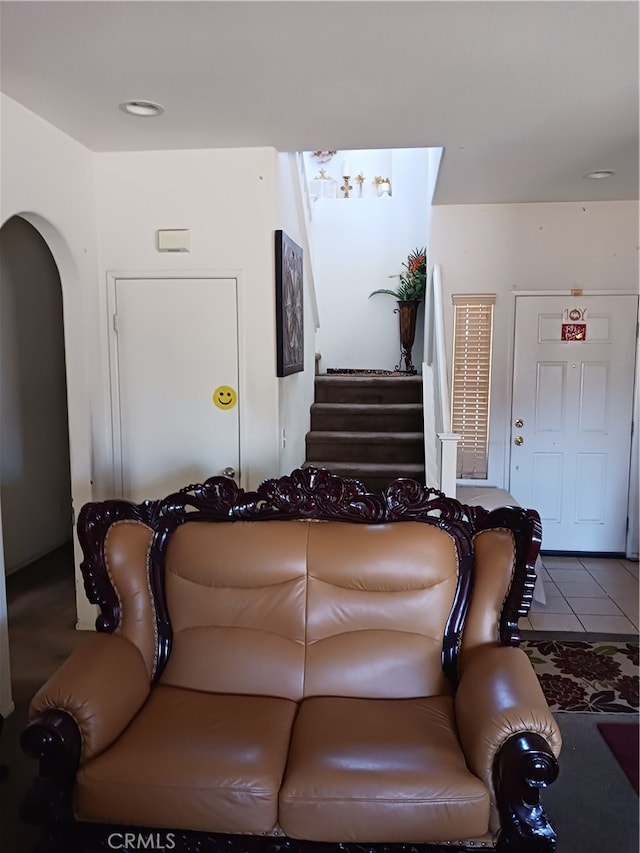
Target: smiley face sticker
x=225, y=397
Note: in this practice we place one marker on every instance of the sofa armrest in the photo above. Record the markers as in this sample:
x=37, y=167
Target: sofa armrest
x=509, y=736
x=499, y=696
x=101, y=686
x=78, y=713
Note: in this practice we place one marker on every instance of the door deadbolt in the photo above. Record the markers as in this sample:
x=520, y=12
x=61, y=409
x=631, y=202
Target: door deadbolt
x=518, y=440
x=519, y=423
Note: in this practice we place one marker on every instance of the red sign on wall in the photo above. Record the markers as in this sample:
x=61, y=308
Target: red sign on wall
x=574, y=331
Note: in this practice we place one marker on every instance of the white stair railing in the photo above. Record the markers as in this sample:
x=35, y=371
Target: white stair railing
x=440, y=444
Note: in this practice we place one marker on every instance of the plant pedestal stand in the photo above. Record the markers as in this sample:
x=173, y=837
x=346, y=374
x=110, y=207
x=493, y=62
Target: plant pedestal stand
x=407, y=312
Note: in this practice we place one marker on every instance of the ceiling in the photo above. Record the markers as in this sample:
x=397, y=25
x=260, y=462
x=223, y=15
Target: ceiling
x=526, y=97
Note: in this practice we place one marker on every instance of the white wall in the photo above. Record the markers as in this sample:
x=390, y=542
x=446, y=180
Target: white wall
x=358, y=244
x=227, y=199
x=34, y=440
x=296, y=390
x=501, y=248
x=47, y=178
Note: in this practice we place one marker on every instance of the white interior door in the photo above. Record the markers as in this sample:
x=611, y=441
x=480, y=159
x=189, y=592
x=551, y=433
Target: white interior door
x=175, y=360
x=571, y=417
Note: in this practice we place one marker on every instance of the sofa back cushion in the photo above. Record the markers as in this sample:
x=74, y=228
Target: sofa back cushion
x=378, y=601
x=235, y=595
x=304, y=608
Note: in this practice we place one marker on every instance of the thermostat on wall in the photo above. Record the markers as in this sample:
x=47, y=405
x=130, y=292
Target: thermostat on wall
x=174, y=240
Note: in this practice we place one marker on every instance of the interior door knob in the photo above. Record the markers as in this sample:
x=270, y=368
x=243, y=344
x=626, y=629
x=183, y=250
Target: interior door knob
x=518, y=440
x=519, y=423
x=229, y=472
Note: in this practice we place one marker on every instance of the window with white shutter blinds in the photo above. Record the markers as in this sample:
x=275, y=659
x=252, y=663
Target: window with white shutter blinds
x=470, y=396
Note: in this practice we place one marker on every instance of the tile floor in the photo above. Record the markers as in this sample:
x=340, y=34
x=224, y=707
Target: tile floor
x=593, y=594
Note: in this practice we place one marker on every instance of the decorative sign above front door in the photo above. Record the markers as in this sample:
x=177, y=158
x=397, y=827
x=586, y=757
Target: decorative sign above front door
x=574, y=325
x=574, y=331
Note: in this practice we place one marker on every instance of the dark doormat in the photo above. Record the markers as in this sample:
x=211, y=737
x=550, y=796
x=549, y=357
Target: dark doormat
x=356, y=371
x=622, y=739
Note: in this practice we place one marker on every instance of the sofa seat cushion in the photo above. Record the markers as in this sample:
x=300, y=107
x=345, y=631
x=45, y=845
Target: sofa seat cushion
x=380, y=770
x=192, y=760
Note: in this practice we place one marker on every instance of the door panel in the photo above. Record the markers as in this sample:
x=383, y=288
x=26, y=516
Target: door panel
x=594, y=399
x=176, y=342
x=547, y=470
x=550, y=397
x=591, y=483
x=571, y=458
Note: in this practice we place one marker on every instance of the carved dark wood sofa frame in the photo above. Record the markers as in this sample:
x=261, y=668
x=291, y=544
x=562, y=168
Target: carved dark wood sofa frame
x=524, y=764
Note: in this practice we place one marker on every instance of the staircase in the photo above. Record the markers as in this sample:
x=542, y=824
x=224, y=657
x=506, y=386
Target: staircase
x=368, y=427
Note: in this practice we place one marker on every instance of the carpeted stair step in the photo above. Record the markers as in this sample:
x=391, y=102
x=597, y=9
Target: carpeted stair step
x=374, y=476
x=368, y=417
x=368, y=427
x=382, y=447
x=368, y=389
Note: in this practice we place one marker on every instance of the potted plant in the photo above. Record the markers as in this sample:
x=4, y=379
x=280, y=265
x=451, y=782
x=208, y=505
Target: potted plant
x=410, y=292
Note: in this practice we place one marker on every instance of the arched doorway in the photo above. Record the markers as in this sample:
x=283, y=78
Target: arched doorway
x=34, y=442
x=35, y=481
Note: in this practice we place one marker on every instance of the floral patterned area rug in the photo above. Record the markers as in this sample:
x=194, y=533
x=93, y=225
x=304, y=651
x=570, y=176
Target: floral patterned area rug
x=593, y=677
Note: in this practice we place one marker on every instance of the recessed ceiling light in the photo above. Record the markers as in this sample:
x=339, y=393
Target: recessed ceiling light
x=144, y=109
x=600, y=174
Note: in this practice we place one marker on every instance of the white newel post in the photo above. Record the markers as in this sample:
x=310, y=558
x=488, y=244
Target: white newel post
x=448, y=458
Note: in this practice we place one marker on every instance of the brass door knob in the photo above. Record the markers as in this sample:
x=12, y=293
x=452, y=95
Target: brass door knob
x=518, y=440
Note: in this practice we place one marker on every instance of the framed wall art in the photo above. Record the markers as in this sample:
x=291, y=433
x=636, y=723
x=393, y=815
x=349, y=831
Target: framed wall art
x=289, y=306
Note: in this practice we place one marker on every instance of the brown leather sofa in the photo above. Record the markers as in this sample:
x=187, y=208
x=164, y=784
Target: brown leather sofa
x=305, y=663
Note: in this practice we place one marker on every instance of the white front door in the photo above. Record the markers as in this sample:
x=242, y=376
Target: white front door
x=175, y=365
x=571, y=417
